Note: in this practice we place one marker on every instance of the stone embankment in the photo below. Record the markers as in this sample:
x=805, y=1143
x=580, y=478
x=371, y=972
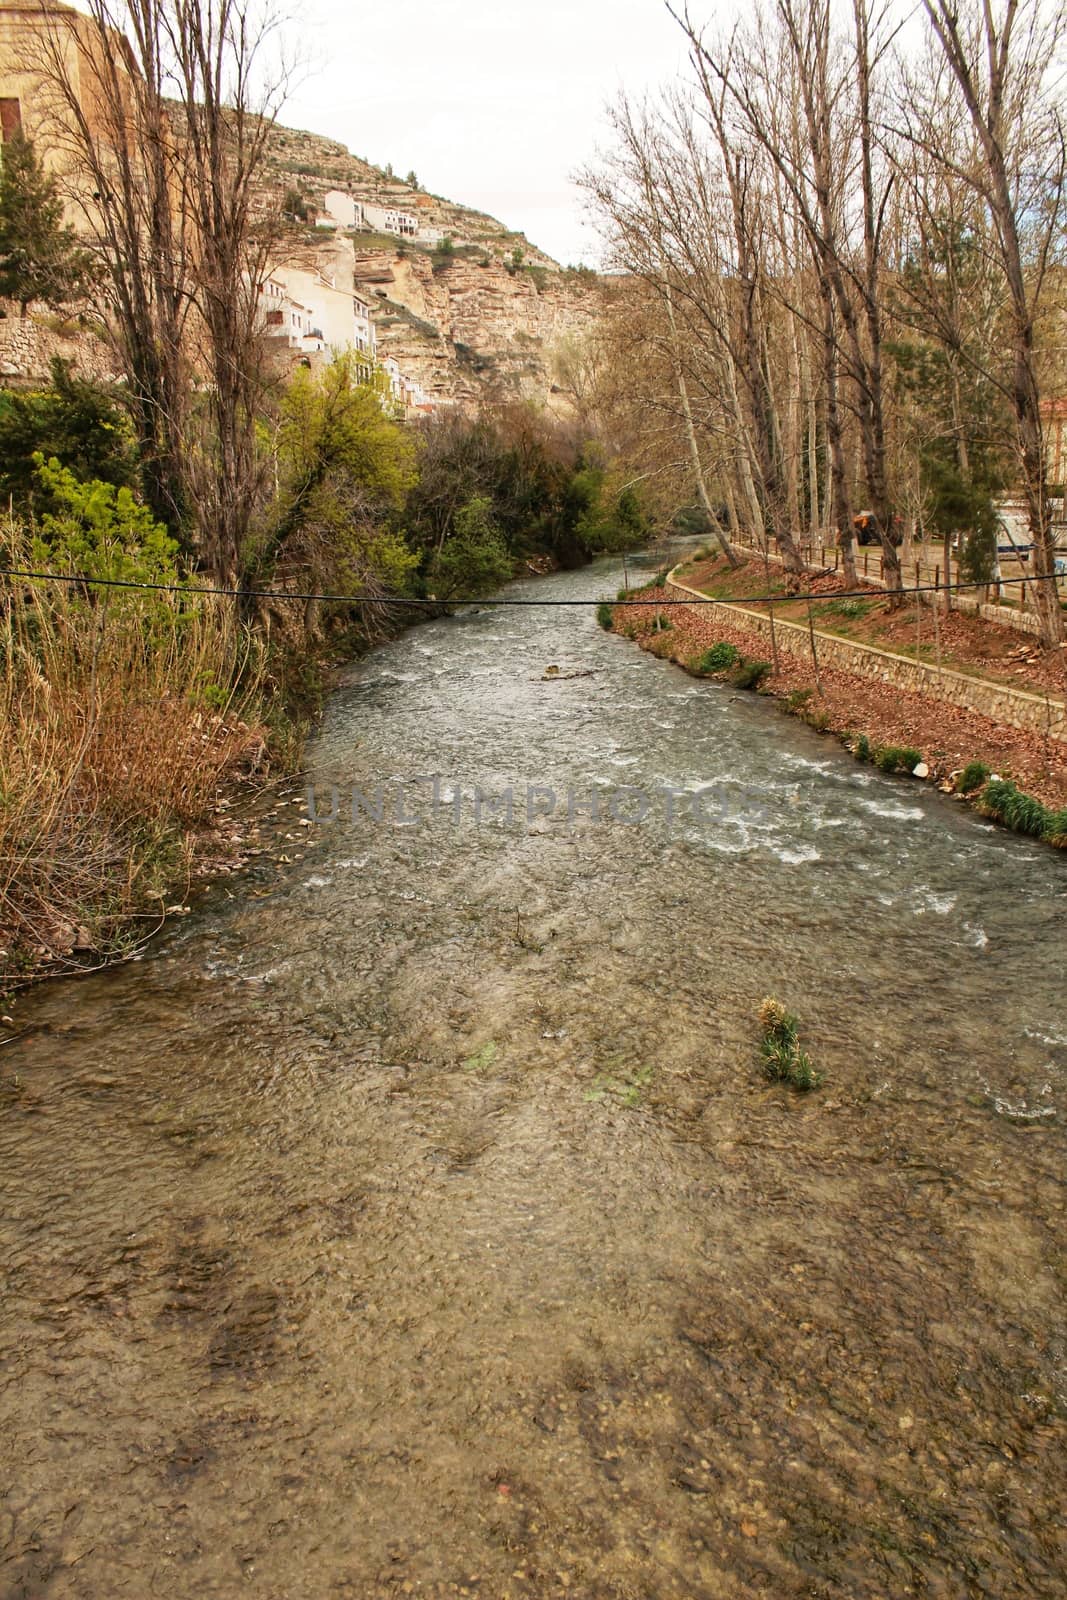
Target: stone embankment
x=1043, y=715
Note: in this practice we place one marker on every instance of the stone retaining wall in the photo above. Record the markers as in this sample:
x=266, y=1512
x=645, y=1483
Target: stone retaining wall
x=1016, y=708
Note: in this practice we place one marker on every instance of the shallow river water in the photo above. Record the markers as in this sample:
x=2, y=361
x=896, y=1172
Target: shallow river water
x=415, y=1218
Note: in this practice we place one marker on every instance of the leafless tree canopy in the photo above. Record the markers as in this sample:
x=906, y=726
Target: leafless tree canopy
x=164, y=108
x=827, y=182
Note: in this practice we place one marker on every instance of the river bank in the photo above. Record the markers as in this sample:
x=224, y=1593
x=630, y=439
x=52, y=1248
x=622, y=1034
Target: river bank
x=831, y=701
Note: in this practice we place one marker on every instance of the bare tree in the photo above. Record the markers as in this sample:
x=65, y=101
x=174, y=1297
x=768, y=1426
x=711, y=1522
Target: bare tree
x=999, y=63
x=165, y=107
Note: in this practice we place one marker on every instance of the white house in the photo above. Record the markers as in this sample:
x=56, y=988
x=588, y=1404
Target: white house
x=387, y=219
x=364, y=334
x=286, y=317
x=344, y=210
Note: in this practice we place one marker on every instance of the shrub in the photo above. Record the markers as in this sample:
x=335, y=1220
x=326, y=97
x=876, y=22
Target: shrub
x=783, y=1059
x=475, y=560
x=1020, y=812
x=1056, y=829
x=819, y=719
x=750, y=674
x=605, y=616
x=718, y=658
x=660, y=623
x=896, y=758
x=862, y=748
x=120, y=714
x=972, y=777
x=797, y=699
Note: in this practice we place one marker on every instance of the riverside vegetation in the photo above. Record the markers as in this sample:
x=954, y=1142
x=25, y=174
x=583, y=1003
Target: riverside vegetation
x=126, y=711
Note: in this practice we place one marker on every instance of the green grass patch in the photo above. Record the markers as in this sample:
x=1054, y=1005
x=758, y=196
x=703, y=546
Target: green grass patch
x=482, y=1059
x=605, y=615
x=972, y=777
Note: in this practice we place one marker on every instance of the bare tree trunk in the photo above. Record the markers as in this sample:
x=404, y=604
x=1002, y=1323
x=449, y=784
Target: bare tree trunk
x=691, y=434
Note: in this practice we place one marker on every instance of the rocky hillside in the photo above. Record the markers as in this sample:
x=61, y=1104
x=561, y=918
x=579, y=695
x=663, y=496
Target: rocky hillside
x=482, y=316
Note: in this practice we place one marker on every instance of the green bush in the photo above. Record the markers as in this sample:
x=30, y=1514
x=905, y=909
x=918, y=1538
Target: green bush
x=783, y=1059
x=896, y=758
x=750, y=674
x=1020, y=812
x=1056, y=829
x=862, y=748
x=475, y=560
x=718, y=658
x=661, y=623
x=973, y=776
x=605, y=616
x=797, y=699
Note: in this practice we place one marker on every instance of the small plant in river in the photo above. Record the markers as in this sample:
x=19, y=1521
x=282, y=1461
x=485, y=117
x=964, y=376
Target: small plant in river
x=605, y=616
x=862, y=748
x=626, y=1090
x=783, y=1059
x=482, y=1059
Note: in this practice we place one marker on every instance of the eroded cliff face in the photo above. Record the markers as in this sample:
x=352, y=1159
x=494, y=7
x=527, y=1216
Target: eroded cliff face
x=469, y=329
x=486, y=321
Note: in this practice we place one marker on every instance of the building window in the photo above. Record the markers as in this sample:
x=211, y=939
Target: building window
x=10, y=119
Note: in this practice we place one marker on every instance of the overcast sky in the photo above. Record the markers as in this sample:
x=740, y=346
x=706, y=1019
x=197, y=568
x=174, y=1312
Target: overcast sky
x=493, y=103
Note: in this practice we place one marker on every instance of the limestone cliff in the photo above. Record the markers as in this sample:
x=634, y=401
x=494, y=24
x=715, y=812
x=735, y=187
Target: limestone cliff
x=482, y=317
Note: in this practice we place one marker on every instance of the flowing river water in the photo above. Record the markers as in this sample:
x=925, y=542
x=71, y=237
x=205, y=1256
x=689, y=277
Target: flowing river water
x=415, y=1218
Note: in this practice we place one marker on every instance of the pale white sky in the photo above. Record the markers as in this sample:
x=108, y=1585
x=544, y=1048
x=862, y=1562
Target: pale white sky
x=493, y=103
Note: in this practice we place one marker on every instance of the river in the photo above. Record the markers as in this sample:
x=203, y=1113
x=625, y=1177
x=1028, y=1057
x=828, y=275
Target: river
x=415, y=1219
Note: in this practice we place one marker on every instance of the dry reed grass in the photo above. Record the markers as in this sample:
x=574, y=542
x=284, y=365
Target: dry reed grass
x=120, y=717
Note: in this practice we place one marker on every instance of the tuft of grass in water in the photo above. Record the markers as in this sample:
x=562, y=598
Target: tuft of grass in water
x=482, y=1059
x=1056, y=829
x=972, y=777
x=718, y=658
x=862, y=748
x=625, y=1091
x=605, y=616
x=783, y=1059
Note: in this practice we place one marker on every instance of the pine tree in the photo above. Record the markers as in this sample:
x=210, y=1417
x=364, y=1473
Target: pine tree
x=39, y=256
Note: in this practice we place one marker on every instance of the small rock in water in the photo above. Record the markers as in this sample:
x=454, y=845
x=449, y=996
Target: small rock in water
x=921, y=771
